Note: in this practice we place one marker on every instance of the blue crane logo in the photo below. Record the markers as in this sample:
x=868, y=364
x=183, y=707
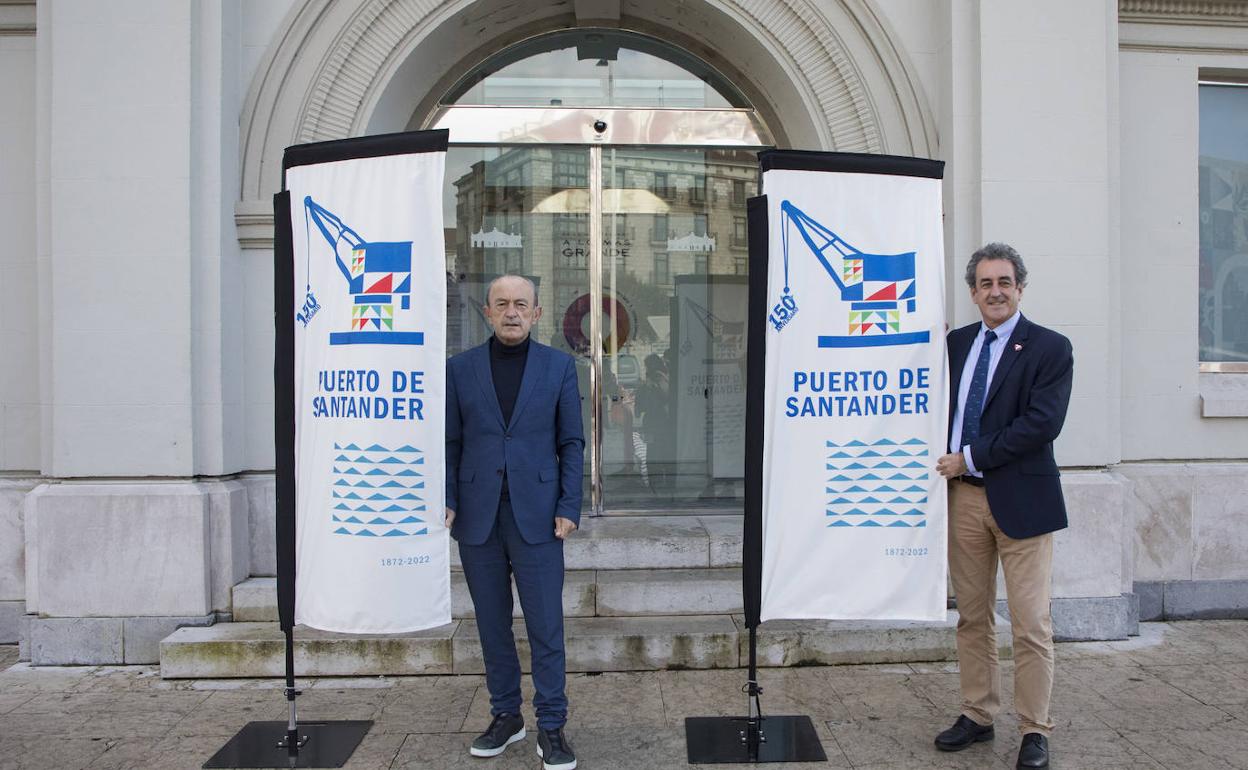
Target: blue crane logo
x=379, y=277
x=878, y=287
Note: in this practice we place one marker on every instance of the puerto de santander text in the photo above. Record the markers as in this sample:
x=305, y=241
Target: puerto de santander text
x=355, y=395
x=860, y=393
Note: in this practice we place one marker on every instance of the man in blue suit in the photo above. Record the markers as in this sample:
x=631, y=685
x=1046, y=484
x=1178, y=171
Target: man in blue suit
x=514, y=445
x=1012, y=381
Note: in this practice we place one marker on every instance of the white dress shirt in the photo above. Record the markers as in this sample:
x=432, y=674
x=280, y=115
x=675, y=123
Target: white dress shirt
x=968, y=371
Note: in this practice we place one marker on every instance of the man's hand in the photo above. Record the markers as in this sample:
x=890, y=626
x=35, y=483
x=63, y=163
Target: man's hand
x=450, y=518
x=951, y=465
x=564, y=527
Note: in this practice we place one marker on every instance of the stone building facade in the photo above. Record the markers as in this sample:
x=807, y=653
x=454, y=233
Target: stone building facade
x=141, y=141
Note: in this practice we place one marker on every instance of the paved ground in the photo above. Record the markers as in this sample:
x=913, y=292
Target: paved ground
x=1176, y=696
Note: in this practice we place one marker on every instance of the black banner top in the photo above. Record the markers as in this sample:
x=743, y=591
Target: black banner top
x=402, y=143
x=851, y=163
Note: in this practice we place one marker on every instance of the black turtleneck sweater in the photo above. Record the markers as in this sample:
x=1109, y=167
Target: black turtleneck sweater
x=507, y=369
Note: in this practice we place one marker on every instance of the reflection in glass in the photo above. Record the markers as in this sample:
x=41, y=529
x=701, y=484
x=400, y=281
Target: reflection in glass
x=1223, y=223
x=674, y=319
x=522, y=210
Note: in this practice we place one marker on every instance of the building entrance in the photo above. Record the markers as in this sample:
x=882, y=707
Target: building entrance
x=631, y=222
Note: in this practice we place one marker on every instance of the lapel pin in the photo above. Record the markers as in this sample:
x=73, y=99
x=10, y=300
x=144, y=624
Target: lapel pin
x=1018, y=346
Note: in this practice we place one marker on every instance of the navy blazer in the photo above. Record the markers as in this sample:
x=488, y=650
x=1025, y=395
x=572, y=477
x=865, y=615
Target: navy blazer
x=540, y=450
x=1023, y=413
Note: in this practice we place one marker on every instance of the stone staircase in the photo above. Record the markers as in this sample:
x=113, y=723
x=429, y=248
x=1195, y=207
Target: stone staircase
x=641, y=593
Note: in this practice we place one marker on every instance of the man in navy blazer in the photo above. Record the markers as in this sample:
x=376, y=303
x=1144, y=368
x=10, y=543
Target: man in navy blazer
x=1011, y=381
x=514, y=445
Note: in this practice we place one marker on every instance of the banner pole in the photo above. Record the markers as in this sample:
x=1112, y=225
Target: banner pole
x=754, y=735
x=753, y=738
x=292, y=742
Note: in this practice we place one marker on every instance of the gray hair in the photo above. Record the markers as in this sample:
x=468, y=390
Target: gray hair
x=532, y=287
x=997, y=251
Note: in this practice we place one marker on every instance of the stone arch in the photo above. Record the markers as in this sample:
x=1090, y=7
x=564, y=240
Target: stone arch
x=826, y=77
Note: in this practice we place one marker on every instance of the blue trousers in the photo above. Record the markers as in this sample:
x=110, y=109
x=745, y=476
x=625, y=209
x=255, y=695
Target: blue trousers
x=538, y=571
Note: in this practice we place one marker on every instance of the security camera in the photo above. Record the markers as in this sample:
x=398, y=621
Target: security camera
x=600, y=126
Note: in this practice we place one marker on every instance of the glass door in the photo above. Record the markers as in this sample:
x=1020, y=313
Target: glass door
x=612, y=168
x=674, y=305
x=523, y=210
x=639, y=256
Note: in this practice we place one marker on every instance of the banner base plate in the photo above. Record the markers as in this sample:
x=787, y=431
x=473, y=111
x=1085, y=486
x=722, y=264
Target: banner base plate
x=712, y=740
x=322, y=744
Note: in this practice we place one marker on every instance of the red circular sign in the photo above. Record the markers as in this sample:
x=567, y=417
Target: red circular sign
x=574, y=317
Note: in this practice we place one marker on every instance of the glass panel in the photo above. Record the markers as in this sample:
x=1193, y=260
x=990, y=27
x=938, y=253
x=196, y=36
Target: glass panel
x=595, y=67
x=1223, y=223
x=519, y=210
x=675, y=299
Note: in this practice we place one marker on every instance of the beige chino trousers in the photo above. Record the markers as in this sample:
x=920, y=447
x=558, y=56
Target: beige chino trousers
x=975, y=545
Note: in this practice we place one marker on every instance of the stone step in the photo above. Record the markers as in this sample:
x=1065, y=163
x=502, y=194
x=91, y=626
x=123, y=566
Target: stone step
x=255, y=599
x=258, y=650
x=783, y=643
x=652, y=542
x=631, y=592
x=579, y=591
x=622, y=644
x=586, y=593
x=610, y=544
x=593, y=644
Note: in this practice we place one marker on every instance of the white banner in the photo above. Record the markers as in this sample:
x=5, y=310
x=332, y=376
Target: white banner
x=854, y=513
x=372, y=554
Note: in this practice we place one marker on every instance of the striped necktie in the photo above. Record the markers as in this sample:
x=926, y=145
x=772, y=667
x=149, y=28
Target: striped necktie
x=979, y=388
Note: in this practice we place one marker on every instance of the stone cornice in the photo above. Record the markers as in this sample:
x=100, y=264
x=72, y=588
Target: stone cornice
x=1193, y=12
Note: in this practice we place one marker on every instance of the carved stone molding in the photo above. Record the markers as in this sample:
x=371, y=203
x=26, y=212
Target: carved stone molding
x=1198, y=12
x=352, y=65
x=322, y=77
x=17, y=17
x=819, y=54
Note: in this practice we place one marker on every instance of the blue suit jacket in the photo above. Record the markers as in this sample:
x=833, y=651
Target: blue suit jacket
x=1024, y=410
x=540, y=450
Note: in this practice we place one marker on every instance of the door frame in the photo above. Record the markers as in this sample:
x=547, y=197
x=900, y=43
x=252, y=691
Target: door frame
x=596, y=128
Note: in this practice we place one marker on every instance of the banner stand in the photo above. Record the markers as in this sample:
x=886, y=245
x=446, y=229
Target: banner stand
x=291, y=743
x=754, y=738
